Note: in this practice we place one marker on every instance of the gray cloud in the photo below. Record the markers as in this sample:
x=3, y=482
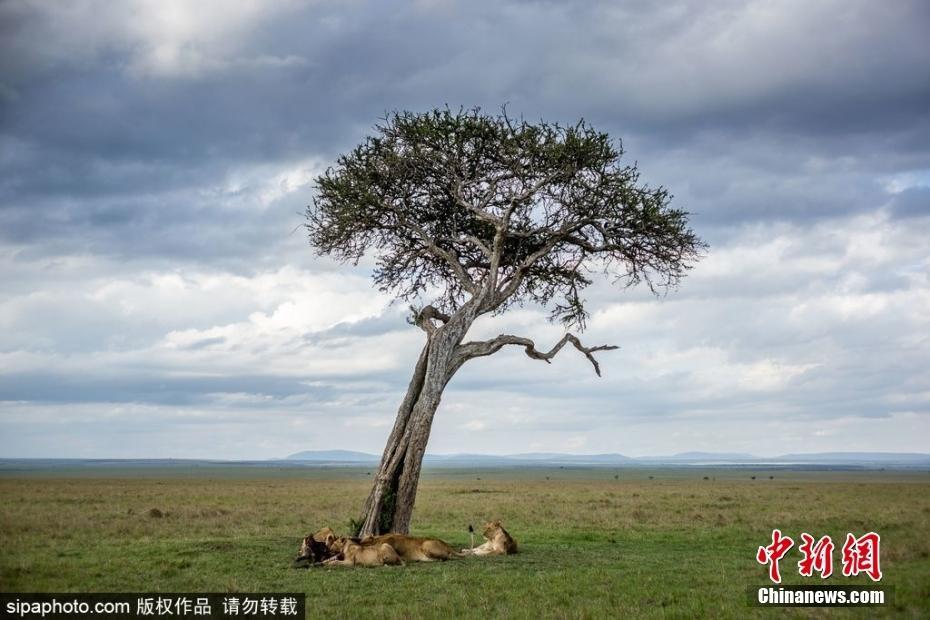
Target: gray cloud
x=104, y=127
x=912, y=202
x=152, y=173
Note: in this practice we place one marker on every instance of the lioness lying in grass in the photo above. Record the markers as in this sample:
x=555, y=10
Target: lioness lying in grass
x=498, y=541
x=410, y=548
x=324, y=546
x=314, y=549
x=311, y=552
x=354, y=553
x=414, y=548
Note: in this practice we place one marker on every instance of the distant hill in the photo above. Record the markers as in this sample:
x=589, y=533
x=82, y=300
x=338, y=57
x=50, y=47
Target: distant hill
x=348, y=456
x=588, y=458
x=701, y=456
x=864, y=459
x=334, y=456
x=572, y=458
x=858, y=457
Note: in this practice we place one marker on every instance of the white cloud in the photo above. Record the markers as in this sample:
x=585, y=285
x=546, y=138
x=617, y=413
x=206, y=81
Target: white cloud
x=769, y=333
x=897, y=183
x=262, y=185
x=151, y=285
x=165, y=38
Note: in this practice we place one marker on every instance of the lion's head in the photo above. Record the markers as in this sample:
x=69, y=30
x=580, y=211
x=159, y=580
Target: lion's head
x=316, y=546
x=312, y=551
x=491, y=528
x=322, y=534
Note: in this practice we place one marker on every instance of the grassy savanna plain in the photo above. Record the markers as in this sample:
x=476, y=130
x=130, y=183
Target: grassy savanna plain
x=593, y=542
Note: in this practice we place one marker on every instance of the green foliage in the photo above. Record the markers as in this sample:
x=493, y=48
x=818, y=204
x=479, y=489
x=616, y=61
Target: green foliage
x=460, y=200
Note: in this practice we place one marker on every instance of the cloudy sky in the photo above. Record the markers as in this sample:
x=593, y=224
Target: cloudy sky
x=158, y=297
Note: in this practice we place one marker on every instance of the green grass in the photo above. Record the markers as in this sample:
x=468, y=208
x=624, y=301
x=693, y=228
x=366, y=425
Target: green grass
x=591, y=546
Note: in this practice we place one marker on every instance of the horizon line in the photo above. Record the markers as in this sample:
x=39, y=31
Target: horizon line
x=479, y=454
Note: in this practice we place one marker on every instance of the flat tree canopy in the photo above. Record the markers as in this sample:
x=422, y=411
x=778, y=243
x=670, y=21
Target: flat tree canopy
x=470, y=213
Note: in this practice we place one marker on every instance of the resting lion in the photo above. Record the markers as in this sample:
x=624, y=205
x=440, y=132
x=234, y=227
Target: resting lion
x=354, y=553
x=323, y=534
x=312, y=552
x=499, y=542
x=314, y=548
x=410, y=548
x=414, y=548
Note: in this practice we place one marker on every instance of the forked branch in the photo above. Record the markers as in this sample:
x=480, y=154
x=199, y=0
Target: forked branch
x=424, y=318
x=483, y=348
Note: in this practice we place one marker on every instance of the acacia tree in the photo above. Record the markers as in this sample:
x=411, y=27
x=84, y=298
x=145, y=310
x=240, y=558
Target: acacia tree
x=474, y=213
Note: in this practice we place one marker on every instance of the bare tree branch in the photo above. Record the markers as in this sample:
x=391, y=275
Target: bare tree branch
x=480, y=245
x=478, y=210
x=424, y=318
x=512, y=283
x=449, y=256
x=470, y=350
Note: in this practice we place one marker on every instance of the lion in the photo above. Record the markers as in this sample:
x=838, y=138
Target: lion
x=414, y=548
x=312, y=552
x=351, y=552
x=409, y=548
x=322, y=534
x=499, y=542
x=314, y=548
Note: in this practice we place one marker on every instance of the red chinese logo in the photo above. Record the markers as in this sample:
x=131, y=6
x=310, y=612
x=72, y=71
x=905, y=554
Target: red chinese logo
x=817, y=556
x=773, y=553
x=860, y=555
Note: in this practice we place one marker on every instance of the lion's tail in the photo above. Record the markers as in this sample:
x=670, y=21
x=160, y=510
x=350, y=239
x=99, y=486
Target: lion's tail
x=455, y=553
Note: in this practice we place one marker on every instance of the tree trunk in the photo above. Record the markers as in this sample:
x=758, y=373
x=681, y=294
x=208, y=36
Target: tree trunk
x=390, y=503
